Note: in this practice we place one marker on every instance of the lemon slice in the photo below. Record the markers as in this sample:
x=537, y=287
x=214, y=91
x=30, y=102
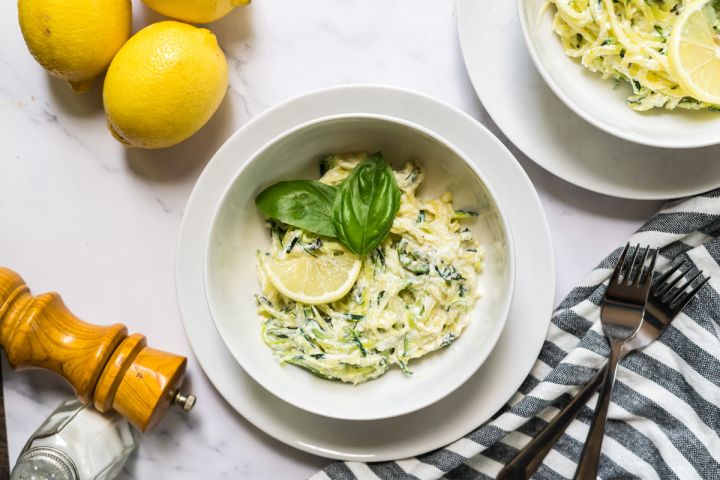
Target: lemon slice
x=316, y=277
x=694, y=52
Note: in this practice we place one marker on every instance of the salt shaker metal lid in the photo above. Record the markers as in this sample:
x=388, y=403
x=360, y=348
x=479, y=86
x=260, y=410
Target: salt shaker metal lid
x=44, y=463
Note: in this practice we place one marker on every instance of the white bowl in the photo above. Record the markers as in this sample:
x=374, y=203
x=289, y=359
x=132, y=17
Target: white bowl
x=595, y=100
x=238, y=231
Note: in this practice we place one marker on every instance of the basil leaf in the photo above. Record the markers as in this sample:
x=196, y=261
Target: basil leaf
x=305, y=204
x=365, y=205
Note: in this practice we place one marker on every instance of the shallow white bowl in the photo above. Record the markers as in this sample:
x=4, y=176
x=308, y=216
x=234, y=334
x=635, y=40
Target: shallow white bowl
x=238, y=231
x=595, y=100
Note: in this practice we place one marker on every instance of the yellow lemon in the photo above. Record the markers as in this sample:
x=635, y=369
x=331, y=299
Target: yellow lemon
x=195, y=11
x=694, y=52
x=75, y=40
x=164, y=84
x=314, y=278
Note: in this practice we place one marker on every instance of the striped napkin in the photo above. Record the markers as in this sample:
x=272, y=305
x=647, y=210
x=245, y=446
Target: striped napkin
x=664, y=420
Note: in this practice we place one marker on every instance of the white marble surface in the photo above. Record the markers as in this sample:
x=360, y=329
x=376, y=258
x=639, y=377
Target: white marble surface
x=98, y=223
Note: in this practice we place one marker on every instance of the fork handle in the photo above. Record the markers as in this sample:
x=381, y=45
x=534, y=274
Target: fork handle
x=590, y=457
x=527, y=460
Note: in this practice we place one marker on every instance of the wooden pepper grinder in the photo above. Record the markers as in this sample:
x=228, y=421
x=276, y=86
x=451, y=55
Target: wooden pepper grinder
x=104, y=365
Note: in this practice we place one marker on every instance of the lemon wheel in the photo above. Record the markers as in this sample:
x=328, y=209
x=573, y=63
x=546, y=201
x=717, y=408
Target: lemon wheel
x=314, y=278
x=694, y=52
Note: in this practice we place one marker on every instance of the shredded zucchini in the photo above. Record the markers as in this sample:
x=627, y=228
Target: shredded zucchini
x=412, y=296
x=626, y=40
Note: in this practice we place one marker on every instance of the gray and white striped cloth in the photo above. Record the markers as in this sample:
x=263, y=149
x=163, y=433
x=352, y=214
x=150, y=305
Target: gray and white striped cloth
x=664, y=421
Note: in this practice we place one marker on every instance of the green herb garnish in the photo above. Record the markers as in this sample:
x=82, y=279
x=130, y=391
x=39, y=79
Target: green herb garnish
x=365, y=205
x=359, y=213
x=306, y=204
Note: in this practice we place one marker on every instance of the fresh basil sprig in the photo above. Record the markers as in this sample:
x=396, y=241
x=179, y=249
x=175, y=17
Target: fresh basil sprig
x=365, y=205
x=359, y=212
x=306, y=204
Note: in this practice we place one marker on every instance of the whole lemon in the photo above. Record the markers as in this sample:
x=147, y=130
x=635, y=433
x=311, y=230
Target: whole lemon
x=75, y=40
x=195, y=11
x=164, y=84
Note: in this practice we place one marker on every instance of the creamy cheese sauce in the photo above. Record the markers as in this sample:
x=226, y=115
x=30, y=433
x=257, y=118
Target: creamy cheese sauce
x=413, y=294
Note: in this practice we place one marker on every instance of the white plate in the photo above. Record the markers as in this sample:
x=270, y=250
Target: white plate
x=432, y=427
x=594, y=99
x=239, y=230
x=538, y=123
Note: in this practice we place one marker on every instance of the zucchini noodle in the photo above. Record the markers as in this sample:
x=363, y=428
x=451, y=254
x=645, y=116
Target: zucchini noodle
x=626, y=40
x=413, y=294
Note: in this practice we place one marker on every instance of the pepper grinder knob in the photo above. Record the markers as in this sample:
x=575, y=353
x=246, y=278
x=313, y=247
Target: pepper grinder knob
x=104, y=365
x=184, y=401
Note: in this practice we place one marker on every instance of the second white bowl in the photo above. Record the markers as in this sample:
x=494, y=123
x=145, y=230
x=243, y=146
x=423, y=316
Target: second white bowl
x=595, y=100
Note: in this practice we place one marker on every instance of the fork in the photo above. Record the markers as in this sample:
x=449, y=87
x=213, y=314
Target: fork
x=661, y=309
x=621, y=316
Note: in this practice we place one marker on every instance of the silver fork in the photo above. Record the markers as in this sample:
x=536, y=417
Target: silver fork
x=621, y=315
x=667, y=299
x=662, y=307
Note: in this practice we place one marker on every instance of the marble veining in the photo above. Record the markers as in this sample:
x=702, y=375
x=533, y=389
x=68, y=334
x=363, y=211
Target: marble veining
x=99, y=223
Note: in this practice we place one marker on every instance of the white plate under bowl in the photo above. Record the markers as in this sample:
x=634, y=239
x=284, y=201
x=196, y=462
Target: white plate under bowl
x=547, y=131
x=595, y=99
x=461, y=411
x=239, y=231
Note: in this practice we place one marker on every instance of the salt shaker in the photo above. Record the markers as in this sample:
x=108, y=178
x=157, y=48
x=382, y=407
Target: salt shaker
x=76, y=442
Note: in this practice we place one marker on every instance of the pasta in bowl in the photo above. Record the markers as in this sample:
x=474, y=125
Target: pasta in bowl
x=363, y=329
x=626, y=42
x=411, y=296
x=631, y=66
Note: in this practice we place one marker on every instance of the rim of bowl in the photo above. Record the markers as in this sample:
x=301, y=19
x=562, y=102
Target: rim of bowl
x=597, y=122
x=507, y=299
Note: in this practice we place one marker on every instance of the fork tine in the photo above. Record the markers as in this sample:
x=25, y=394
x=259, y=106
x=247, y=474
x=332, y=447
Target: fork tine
x=663, y=288
x=641, y=267
x=677, y=294
x=630, y=274
x=667, y=274
x=651, y=267
x=671, y=291
x=691, y=294
x=619, y=266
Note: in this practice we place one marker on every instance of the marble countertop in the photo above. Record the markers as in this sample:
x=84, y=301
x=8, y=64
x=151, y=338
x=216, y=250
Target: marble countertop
x=85, y=217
